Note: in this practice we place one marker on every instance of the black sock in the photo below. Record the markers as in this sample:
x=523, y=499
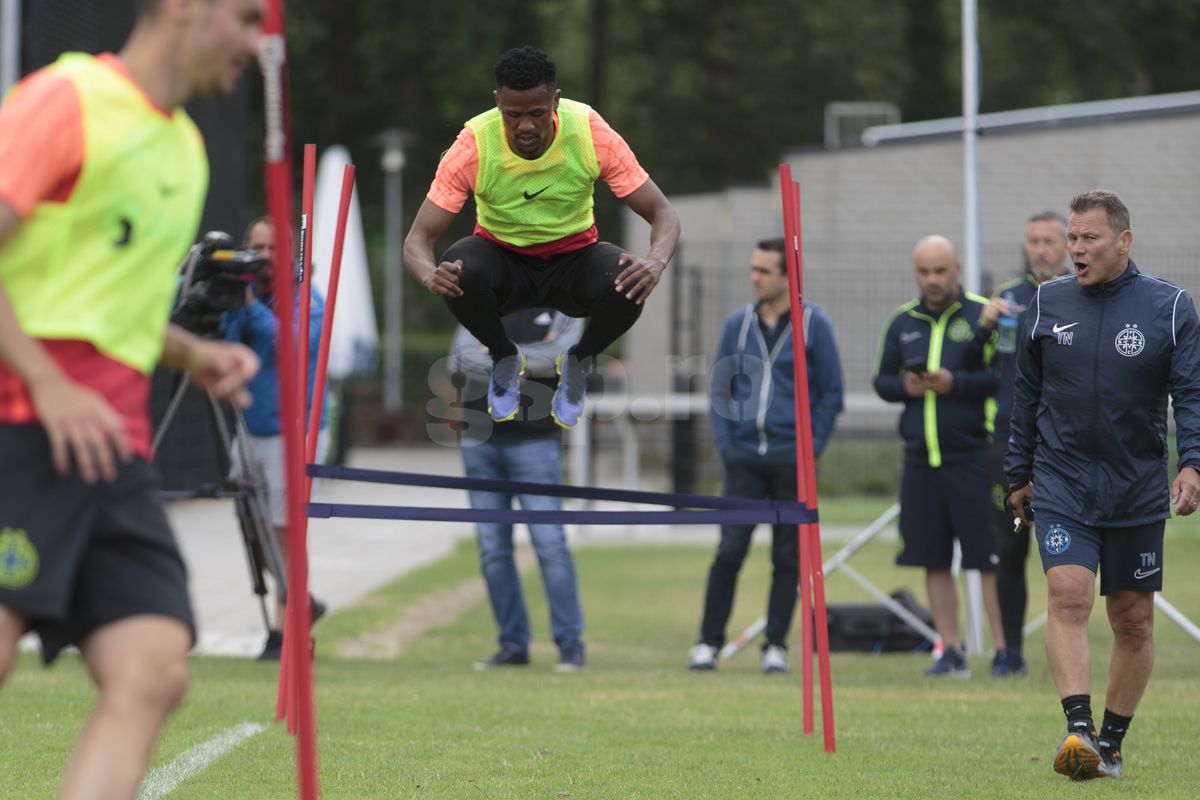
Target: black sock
x=584, y=361
x=1113, y=730
x=502, y=351
x=1078, y=708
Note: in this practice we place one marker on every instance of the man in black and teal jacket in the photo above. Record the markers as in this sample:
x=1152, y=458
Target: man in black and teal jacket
x=1045, y=249
x=935, y=358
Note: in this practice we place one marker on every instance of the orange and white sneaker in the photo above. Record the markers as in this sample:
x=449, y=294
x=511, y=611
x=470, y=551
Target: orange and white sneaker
x=1079, y=756
x=1110, y=760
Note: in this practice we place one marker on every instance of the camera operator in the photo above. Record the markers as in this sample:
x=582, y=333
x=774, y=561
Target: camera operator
x=256, y=326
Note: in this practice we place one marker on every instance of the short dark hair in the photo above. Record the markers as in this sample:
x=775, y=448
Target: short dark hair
x=525, y=68
x=266, y=219
x=775, y=245
x=148, y=8
x=1049, y=216
x=1114, y=209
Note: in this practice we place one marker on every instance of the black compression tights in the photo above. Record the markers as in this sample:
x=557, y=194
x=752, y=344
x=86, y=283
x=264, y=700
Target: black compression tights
x=581, y=284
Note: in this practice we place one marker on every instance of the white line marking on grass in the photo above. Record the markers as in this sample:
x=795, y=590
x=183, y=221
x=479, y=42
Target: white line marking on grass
x=165, y=779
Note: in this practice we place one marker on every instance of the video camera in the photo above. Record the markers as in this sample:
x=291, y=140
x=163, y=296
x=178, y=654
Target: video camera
x=215, y=276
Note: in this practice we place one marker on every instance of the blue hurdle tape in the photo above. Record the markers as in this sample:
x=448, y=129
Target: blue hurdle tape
x=719, y=510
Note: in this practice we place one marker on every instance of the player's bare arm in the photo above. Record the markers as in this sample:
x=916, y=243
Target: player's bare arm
x=223, y=368
x=639, y=276
x=431, y=222
x=82, y=427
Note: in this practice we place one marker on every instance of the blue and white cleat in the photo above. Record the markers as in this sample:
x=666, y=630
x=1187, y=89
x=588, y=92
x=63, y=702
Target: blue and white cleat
x=569, y=397
x=504, y=387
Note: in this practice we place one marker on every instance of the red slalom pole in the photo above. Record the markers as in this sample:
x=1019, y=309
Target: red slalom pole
x=806, y=475
x=307, y=189
x=799, y=365
x=304, y=285
x=813, y=529
x=335, y=271
x=297, y=676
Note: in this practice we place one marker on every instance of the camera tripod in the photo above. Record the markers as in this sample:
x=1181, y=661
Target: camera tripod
x=243, y=480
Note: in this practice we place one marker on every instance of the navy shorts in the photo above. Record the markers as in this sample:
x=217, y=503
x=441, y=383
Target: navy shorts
x=1128, y=559
x=74, y=557
x=939, y=505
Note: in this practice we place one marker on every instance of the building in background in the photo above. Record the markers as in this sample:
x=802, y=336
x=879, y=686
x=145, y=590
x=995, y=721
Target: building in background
x=862, y=207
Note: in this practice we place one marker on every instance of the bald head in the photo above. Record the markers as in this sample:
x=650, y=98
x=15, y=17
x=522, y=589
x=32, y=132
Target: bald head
x=937, y=270
x=934, y=247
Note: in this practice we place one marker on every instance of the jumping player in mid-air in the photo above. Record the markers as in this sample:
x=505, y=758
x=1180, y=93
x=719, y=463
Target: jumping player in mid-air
x=532, y=163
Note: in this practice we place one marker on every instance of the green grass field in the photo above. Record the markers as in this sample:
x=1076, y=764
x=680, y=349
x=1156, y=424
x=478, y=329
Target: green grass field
x=636, y=724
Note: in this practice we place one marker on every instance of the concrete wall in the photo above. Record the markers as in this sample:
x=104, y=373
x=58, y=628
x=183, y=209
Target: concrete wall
x=863, y=209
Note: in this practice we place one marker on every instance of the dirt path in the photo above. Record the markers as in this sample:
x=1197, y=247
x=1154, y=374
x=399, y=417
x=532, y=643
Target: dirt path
x=427, y=613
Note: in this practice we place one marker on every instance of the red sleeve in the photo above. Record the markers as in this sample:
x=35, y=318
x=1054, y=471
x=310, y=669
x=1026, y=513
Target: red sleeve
x=455, y=178
x=41, y=142
x=619, y=167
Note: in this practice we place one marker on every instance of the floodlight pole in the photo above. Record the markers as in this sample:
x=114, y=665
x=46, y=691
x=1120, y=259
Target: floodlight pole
x=970, y=117
x=971, y=251
x=392, y=163
x=10, y=43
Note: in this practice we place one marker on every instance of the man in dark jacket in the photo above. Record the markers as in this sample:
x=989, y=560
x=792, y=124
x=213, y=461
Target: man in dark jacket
x=1045, y=249
x=752, y=392
x=1102, y=351
x=935, y=358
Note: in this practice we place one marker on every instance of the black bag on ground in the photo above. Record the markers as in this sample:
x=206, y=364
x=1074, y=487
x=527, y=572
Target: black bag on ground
x=873, y=628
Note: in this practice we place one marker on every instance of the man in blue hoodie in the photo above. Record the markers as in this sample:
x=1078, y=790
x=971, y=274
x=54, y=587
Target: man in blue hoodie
x=752, y=393
x=1102, y=351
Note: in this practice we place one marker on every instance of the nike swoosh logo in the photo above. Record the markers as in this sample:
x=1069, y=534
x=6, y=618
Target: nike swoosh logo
x=167, y=191
x=126, y=232
x=529, y=196
x=1061, y=328
x=909, y=337
x=1138, y=574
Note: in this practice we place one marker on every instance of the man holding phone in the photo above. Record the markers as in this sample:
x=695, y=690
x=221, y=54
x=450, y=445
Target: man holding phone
x=936, y=359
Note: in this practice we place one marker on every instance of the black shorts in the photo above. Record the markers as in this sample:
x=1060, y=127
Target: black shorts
x=939, y=505
x=74, y=557
x=1128, y=559
x=569, y=282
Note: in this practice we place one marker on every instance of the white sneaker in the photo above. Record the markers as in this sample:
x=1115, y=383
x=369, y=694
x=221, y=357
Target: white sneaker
x=703, y=657
x=774, y=659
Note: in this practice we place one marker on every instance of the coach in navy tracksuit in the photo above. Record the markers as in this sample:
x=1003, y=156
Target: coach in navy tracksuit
x=1045, y=249
x=752, y=392
x=1102, y=351
x=936, y=359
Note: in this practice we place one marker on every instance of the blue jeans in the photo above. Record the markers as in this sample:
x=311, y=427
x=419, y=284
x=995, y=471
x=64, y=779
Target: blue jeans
x=537, y=461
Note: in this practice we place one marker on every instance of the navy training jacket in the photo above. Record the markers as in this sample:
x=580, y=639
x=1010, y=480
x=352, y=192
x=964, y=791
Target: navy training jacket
x=1094, y=370
x=752, y=391
x=940, y=429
